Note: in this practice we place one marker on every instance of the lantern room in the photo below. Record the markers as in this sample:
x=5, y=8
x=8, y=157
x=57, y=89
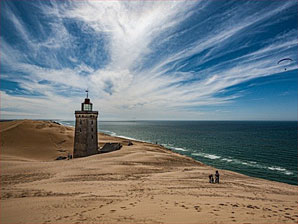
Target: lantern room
x=87, y=105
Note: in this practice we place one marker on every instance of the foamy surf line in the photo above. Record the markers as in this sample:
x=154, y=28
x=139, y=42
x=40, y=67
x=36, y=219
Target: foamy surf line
x=245, y=163
x=140, y=140
x=107, y=132
x=206, y=155
x=65, y=123
x=111, y=133
x=174, y=148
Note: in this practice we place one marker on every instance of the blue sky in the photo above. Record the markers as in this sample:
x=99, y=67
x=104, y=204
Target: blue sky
x=173, y=60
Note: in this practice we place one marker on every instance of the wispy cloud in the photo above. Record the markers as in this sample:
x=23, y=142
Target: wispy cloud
x=147, y=59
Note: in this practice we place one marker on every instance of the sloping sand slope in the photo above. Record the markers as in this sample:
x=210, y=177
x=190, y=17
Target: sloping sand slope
x=35, y=140
x=143, y=183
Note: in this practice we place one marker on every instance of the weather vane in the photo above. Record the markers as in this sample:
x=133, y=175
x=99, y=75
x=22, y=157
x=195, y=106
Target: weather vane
x=87, y=92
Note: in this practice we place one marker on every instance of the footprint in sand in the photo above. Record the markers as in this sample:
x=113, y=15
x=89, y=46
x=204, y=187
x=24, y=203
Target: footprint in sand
x=288, y=209
x=183, y=206
x=288, y=217
x=112, y=210
x=132, y=204
x=197, y=208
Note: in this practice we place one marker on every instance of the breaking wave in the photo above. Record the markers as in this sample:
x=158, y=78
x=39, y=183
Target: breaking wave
x=206, y=155
x=174, y=148
x=108, y=132
x=245, y=163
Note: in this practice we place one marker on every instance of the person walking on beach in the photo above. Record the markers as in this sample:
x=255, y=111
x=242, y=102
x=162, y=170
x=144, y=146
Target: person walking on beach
x=216, y=177
x=211, y=180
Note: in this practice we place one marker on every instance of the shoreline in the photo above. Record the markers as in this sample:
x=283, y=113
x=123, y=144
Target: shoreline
x=172, y=149
x=186, y=156
x=175, y=149
x=141, y=183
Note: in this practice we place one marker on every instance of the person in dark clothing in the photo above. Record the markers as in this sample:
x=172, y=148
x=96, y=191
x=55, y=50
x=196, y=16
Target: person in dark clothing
x=216, y=177
x=211, y=178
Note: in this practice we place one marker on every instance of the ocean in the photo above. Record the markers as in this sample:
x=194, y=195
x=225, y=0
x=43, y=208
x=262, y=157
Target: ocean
x=263, y=149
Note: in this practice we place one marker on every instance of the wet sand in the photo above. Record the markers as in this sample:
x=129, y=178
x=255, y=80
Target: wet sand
x=142, y=183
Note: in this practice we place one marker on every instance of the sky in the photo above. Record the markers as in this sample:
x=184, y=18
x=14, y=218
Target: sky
x=149, y=60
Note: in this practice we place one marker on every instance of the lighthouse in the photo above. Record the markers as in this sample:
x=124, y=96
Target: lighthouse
x=85, y=140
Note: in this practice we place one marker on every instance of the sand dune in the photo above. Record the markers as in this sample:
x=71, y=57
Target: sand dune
x=142, y=183
x=38, y=140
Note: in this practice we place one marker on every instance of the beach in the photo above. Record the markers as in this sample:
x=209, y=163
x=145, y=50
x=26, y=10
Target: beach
x=140, y=183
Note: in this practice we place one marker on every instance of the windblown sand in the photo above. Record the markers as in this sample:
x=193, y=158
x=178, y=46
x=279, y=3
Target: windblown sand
x=142, y=183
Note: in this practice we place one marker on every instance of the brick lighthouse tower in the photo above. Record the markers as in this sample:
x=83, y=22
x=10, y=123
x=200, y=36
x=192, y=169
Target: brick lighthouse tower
x=85, y=141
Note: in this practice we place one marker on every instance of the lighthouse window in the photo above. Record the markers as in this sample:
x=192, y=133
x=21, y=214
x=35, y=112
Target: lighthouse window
x=91, y=122
x=91, y=129
x=80, y=130
x=80, y=121
x=87, y=107
x=92, y=136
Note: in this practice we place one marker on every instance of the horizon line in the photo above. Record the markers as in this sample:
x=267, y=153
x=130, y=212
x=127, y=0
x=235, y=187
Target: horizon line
x=134, y=120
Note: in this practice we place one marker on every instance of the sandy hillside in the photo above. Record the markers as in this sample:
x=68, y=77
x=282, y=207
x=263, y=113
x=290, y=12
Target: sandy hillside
x=142, y=183
x=38, y=140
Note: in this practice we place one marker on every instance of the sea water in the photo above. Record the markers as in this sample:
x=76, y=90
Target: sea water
x=263, y=149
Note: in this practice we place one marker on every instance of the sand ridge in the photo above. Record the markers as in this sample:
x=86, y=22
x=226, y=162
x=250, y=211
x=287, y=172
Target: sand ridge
x=142, y=183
